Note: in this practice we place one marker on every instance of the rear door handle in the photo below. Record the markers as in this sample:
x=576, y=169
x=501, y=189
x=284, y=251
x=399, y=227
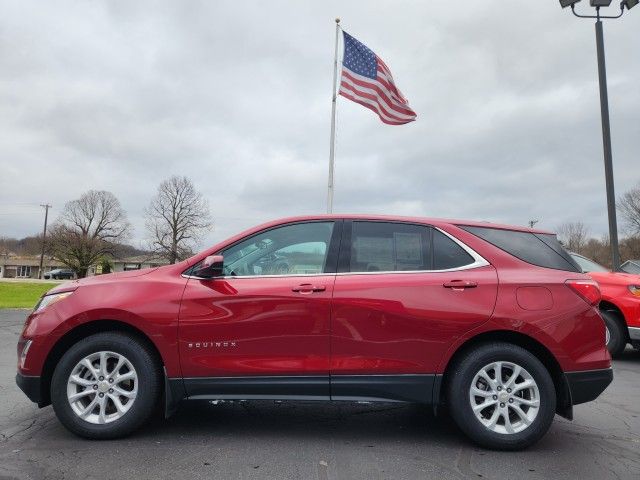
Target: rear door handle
x=460, y=284
x=308, y=288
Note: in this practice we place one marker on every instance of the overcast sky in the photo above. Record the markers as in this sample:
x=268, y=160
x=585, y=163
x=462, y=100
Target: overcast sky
x=119, y=95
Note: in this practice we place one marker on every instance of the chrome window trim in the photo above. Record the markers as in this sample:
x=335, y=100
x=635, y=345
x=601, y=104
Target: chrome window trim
x=226, y=277
x=478, y=261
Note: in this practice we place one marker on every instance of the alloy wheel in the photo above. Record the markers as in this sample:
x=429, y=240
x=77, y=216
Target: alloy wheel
x=102, y=387
x=504, y=397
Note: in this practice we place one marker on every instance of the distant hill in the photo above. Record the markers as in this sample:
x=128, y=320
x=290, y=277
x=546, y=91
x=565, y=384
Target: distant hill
x=29, y=246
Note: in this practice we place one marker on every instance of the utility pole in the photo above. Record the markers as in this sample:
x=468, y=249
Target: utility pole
x=46, y=207
x=604, y=113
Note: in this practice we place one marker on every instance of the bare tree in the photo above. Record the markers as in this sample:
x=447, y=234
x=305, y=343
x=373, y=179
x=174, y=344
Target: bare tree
x=87, y=229
x=598, y=250
x=573, y=235
x=630, y=248
x=629, y=207
x=177, y=217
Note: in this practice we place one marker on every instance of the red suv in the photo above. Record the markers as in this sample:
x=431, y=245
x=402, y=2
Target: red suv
x=620, y=304
x=497, y=323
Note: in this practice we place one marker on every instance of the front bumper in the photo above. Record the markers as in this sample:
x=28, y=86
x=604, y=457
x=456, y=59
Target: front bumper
x=31, y=386
x=588, y=385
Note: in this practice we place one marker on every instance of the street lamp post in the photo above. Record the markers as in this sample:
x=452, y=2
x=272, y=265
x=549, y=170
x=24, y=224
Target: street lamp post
x=604, y=110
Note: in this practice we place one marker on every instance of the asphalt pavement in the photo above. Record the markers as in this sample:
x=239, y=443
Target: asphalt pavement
x=319, y=441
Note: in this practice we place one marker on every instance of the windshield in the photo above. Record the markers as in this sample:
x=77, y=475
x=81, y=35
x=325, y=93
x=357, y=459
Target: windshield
x=587, y=265
x=631, y=267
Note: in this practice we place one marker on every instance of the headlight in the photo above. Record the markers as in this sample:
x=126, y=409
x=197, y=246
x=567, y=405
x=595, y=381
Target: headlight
x=49, y=299
x=635, y=290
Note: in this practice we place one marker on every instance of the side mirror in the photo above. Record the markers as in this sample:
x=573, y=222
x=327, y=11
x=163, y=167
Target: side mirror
x=210, y=267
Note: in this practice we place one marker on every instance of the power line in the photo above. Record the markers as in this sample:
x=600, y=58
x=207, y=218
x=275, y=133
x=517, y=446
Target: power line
x=33, y=205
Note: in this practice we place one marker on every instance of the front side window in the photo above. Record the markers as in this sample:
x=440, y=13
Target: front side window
x=387, y=247
x=297, y=249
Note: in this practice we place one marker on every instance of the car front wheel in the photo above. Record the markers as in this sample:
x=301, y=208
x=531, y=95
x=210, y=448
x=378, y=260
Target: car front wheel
x=501, y=396
x=106, y=386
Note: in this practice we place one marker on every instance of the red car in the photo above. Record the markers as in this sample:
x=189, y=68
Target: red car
x=496, y=322
x=620, y=305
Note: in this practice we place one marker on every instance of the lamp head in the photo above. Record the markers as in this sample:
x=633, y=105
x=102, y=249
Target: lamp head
x=600, y=3
x=630, y=3
x=568, y=3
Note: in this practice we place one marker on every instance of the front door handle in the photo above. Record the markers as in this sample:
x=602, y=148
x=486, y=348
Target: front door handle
x=460, y=284
x=308, y=288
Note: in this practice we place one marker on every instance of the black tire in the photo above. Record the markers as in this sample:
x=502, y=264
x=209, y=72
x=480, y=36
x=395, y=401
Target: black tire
x=617, y=332
x=459, y=381
x=148, y=372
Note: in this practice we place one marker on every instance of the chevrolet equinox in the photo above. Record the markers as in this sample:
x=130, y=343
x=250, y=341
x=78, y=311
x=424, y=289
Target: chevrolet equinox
x=495, y=323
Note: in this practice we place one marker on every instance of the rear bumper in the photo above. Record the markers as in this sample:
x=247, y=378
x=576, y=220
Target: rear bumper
x=588, y=385
x=30, y=386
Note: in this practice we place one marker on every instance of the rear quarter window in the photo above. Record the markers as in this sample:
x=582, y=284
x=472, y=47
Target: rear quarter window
x=447, y=254
x=542, y=250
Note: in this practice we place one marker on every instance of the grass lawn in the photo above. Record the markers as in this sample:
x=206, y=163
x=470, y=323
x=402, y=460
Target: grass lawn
x=22, y=295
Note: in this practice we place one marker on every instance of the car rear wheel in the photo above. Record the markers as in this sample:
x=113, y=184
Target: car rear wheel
x=501, y=396
x=106, y=386
x=615, y=332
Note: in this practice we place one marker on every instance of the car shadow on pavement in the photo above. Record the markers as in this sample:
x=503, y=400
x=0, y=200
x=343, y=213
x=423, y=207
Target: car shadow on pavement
x=347, y=420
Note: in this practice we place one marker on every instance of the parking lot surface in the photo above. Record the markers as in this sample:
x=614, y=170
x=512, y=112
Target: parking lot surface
x=268, y=440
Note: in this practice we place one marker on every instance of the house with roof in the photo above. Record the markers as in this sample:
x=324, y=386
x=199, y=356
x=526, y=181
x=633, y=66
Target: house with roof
x=16, y=266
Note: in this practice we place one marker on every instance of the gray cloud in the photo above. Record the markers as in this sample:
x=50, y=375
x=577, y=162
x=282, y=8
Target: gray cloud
x=236, y=95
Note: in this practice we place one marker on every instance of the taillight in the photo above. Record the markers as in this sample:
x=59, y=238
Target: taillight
x=587, y=289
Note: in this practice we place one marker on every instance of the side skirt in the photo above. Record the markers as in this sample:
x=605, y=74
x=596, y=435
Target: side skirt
x=385, y=388
x=371, y=388
x=314, y=387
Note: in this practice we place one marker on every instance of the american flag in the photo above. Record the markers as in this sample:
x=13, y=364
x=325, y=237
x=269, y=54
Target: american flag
x=367, y=80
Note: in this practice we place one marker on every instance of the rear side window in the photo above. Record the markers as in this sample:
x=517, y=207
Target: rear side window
x=537, y=249
x=403, y=247
x=388, y=247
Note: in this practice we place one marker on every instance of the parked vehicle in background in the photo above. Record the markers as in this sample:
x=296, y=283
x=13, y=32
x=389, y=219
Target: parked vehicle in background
x=59, y=274
x=496, y=322
x=620, y=305
x=631, y=266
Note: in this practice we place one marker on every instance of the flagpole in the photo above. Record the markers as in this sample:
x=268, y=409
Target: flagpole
x=332, y=147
